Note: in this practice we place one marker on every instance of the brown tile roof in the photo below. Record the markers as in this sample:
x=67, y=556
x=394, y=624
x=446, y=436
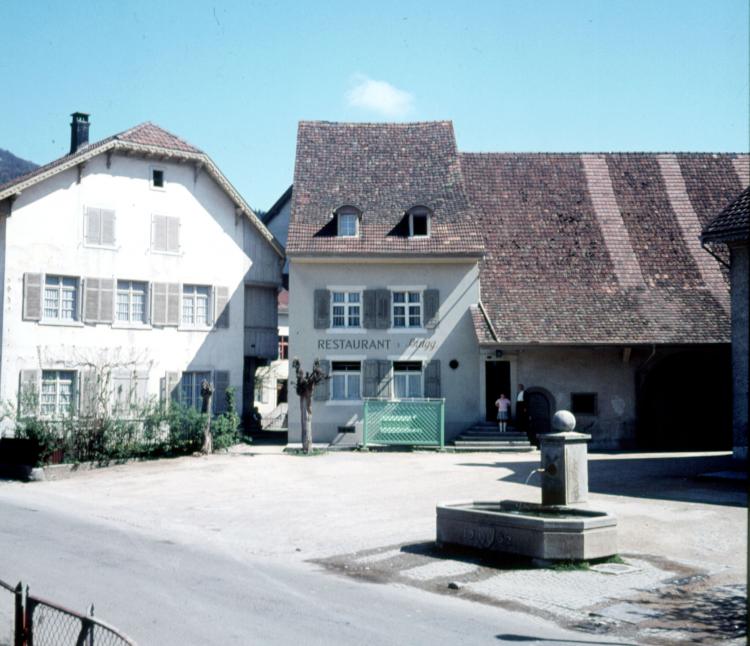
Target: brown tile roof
x=599, y=248
x=383, y=170
x=733, y=223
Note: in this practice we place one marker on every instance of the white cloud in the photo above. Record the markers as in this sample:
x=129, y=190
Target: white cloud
x=380, y=97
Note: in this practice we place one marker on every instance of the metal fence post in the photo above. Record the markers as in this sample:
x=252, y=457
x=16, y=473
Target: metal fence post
x=364, y=426
x=19, y=629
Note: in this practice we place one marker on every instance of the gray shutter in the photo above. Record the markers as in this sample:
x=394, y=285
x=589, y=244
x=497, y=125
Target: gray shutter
x=159, y=308
x=92, y=226
x=431, y=308
x=383, y=313
x=221, y=307
x=322, y=309
x=384, y=379
x=173, y=234
x=91, y=300
x=28, y=392
x=432, y=379
x=108, y=227
x=173, y=304
x=88, y=391
x=221, y=383
x=32, y=297
x=106, y=300
x=371, y=378
x=369, y=309
x=170, y=388
x=141, y=387
x=321, y=390
x=158, y=233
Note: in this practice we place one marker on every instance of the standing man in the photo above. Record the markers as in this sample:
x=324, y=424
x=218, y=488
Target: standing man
x=521, y=416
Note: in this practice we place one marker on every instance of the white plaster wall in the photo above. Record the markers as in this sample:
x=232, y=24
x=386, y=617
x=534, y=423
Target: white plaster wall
x=600, y=370
x=45, y=234
x=453, y=338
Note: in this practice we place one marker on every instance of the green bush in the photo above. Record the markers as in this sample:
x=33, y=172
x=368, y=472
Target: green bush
x=225, y=429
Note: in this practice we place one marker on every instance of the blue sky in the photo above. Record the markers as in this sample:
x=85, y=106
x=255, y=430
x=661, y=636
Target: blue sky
x=234, y=78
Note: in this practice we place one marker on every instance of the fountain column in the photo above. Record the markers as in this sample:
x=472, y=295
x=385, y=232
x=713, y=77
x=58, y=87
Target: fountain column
x=565, y=470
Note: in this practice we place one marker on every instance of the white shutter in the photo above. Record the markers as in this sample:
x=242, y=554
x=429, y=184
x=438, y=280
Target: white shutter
x=107, y=227
x=92, y=226
x=221, y=307
x=172, y=234
x=32, y=297
x=159, y=308
x=91, y=300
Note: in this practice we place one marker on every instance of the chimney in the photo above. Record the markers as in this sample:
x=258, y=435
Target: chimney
x=79, y=131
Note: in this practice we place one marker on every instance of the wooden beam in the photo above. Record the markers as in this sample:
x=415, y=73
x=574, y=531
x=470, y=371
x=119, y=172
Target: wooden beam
x=626, y=354
x=197, y=168
x=109, y=158
x=6, y=206
x=80, y=168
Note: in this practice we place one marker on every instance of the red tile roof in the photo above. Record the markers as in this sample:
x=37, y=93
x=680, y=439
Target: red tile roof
x=556, y=272
x=383, y=170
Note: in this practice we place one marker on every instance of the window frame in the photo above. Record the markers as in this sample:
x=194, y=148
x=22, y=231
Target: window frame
x=419, y=211
x=348, y=306
x=352, y=211
x=72, y=407
x=398, y=368
x=151, y=179
x=283, y=348
x=117, y=321
x=338, y=370
x=196, y=377
x=193, y=297
x=60, y=289
x=407, y=305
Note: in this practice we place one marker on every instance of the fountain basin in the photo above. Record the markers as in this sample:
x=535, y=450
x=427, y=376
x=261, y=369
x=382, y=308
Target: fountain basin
x=528, y=529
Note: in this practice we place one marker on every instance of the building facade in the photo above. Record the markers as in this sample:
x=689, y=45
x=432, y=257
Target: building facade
x=419, y=271
x=128, y=262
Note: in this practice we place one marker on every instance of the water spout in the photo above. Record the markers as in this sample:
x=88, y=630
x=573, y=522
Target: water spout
x=533, y=471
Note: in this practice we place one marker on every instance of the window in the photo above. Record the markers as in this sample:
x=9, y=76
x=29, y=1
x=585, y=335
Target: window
x=348, y=222
x=58, y=392
x=345, y=380
x=407, y=379
x=190, y=388
x=419, y=222
x=283, y=347
x=260, y=391
x=345, y=309
x=407, y=309
x=131, y=301
x=99, y=227
x=583, y=403
x=196, y=305
x=165, y=233
x=157, y=178
x=61, y=298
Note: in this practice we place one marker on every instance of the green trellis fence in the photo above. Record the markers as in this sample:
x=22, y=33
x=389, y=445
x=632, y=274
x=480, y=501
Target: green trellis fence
x=407, y=422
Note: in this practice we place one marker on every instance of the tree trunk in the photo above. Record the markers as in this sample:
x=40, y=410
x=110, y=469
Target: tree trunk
x=208, y=440
x=305, y=403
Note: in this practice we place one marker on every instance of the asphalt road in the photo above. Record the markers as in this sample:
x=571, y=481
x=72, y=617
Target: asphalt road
x=162, y=592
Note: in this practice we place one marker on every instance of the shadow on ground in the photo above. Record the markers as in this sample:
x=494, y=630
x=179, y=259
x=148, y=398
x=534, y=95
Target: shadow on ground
x=672, y=477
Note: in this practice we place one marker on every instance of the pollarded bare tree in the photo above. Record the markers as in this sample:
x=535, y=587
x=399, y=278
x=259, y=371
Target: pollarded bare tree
x=305, y=386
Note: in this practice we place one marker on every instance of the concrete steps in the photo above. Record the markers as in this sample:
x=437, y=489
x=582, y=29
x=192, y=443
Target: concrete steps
x=485, y=436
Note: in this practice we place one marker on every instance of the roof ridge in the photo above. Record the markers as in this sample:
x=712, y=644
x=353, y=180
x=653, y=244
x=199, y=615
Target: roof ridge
x=376, y=123
x=600, y=152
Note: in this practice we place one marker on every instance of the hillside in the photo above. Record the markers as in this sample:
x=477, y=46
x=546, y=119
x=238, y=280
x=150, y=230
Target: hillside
x=12, y=166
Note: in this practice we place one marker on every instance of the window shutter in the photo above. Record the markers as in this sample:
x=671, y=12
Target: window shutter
x=158, y=232
x=383, y=314
x=371, y=378
x=32, y=297
x=221, y=307
x=369, y=310
x=107, y=227
x=431, y=308
x=159, y=308
x=28, y=392
x=170, y=388
x=92, y=226
x=173, y=234
x=91, y=300
x=322, y=307
x=173, y=304
x=432, y=379
x=221, y=383
x=384, y=379
x=106, y=300
x=88, y=392
x=141, y=387
x=321, y=390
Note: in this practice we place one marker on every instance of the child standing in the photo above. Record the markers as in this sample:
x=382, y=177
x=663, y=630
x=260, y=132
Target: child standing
x=503, y=406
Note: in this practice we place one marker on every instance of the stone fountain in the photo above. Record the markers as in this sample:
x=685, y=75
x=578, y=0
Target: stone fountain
x=562, y=527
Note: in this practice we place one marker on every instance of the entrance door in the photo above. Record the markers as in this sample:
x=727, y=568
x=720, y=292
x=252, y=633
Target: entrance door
x=538, y=407
x=497, y=382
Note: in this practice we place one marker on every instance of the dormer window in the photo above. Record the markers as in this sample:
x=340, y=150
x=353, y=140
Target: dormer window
x=419, y=222
x=347, y=222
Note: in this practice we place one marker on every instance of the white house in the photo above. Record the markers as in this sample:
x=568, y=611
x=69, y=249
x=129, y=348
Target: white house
x=134, y=257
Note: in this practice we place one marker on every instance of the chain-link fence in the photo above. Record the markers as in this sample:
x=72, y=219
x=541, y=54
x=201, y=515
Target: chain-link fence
x=33, y=621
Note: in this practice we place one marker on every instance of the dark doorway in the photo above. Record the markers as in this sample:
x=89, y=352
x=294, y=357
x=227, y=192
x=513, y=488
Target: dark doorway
x=281, y=386
x=497, y=382
x=685, y=402
x=539, y=410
